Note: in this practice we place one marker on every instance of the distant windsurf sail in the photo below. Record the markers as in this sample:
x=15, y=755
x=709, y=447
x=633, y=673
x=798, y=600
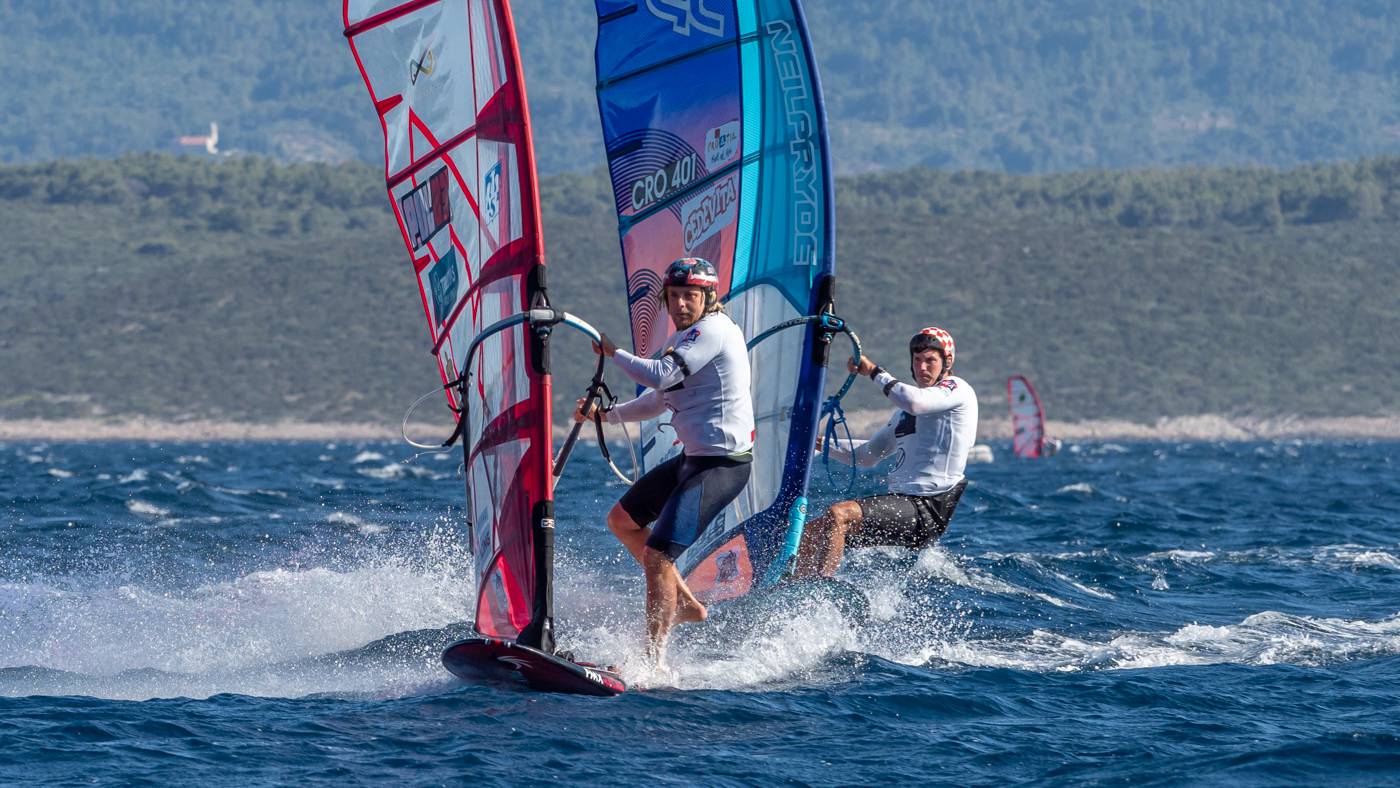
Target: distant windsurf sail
x=716, y=138
x=1027, y=418
x=445, y=79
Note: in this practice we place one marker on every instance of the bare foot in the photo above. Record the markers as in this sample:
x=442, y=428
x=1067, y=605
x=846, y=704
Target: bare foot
x=690, y=610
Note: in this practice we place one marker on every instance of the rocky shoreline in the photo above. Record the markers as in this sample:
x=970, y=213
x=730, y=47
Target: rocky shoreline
x=1208, y=427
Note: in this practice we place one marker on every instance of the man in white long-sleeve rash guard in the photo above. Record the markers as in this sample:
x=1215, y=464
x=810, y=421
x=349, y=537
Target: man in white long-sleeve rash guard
x=930, y=435
x=702, y=378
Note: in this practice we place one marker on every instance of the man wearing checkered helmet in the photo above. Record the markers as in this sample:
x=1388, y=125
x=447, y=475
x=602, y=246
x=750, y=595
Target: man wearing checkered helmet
x=930, y=435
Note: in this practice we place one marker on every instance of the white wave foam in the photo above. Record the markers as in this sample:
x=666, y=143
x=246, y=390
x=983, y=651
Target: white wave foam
x=939, y=563
x=136, y=506
x=1082, y=488
x=1267, y=638
x=398, y=470
x=367, y=456
x=231, y=636
x=1358, y=556
x=138, y=475
x=59, y=473
x=368, y=529
x=1181, y=556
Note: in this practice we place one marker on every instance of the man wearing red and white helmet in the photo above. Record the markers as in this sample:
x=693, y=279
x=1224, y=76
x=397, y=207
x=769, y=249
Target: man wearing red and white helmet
x=930, y=435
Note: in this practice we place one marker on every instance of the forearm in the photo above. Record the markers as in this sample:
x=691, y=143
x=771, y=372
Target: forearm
x=854, y=452
x=647, y=406
x=912, y=399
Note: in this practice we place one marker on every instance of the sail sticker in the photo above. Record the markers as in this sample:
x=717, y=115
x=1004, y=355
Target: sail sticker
x=427, y=209
x=420, y=67
x=721, y=144
x=442, y=280
x=716, y=207
x=491, y=194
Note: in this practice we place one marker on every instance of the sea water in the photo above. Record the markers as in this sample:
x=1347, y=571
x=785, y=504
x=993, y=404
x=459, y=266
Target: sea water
x=1136, y=613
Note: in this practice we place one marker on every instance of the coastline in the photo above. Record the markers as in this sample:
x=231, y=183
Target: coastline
x=1206, y=427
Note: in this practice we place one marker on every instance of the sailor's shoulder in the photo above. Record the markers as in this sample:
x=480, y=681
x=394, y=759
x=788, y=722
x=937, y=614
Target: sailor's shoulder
x=957, y=386
x=723, y=326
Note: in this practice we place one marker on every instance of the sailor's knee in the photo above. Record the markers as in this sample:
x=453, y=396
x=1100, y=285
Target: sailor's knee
x=845, y=512
x=620, y=522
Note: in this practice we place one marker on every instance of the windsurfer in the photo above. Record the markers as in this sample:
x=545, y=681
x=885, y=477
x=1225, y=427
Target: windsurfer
x=930, y=435
x=703, y=379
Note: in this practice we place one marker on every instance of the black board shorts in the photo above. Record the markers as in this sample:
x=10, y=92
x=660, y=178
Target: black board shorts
x=682, y=496
x=912, y=521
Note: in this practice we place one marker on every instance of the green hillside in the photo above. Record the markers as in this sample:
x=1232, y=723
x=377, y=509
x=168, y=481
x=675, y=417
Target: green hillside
x=166, y=286
x=1005, y=85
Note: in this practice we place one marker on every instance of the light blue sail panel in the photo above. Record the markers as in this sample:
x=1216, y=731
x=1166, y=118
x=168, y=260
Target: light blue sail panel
x=716, y=138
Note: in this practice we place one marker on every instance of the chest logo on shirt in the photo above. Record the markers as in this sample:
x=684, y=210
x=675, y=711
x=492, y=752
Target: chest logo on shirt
x=690, y=336
x=908, y=425
x=948, y=383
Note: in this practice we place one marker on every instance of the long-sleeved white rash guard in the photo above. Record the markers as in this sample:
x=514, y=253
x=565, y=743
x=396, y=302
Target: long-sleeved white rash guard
x=930, y=435
x=703, y=378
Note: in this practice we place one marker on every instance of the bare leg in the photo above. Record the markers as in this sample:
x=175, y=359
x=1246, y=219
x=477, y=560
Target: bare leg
x=824, y=540
x=661, y=601
x=634, y=538
x=815, y=538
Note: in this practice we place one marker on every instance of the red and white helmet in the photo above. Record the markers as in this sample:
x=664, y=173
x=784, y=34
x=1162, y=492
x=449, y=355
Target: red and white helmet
x=933, y=338
x=692, y=272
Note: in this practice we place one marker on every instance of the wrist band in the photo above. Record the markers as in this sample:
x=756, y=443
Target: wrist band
x=876, y=372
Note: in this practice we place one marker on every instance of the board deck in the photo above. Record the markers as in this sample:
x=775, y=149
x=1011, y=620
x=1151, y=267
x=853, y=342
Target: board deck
x=475, y=659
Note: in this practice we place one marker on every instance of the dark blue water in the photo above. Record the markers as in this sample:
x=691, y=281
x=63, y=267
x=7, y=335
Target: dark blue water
x=1145, y=614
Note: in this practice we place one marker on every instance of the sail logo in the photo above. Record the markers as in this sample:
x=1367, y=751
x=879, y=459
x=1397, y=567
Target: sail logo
x=727, y=566
x=687, y=15
x=642, y=288
x=491, y=193
x=791, y=66
x=423, y=66
x=427, y=209
x=716, y=208
x=442, y=284
x=721, y=143
x=664, y=182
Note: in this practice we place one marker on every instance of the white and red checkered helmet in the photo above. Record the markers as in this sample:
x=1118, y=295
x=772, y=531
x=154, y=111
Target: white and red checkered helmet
x=933, y=338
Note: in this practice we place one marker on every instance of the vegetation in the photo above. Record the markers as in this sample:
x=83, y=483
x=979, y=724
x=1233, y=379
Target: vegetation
x=1003, y=85
x=170, y=287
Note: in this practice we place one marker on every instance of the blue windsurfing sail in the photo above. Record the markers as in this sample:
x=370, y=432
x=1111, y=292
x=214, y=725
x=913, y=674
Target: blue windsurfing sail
x=716, y=138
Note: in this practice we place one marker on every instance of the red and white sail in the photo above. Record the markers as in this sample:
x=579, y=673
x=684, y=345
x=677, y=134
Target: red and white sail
x=445, y=80
x=1027, y=418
